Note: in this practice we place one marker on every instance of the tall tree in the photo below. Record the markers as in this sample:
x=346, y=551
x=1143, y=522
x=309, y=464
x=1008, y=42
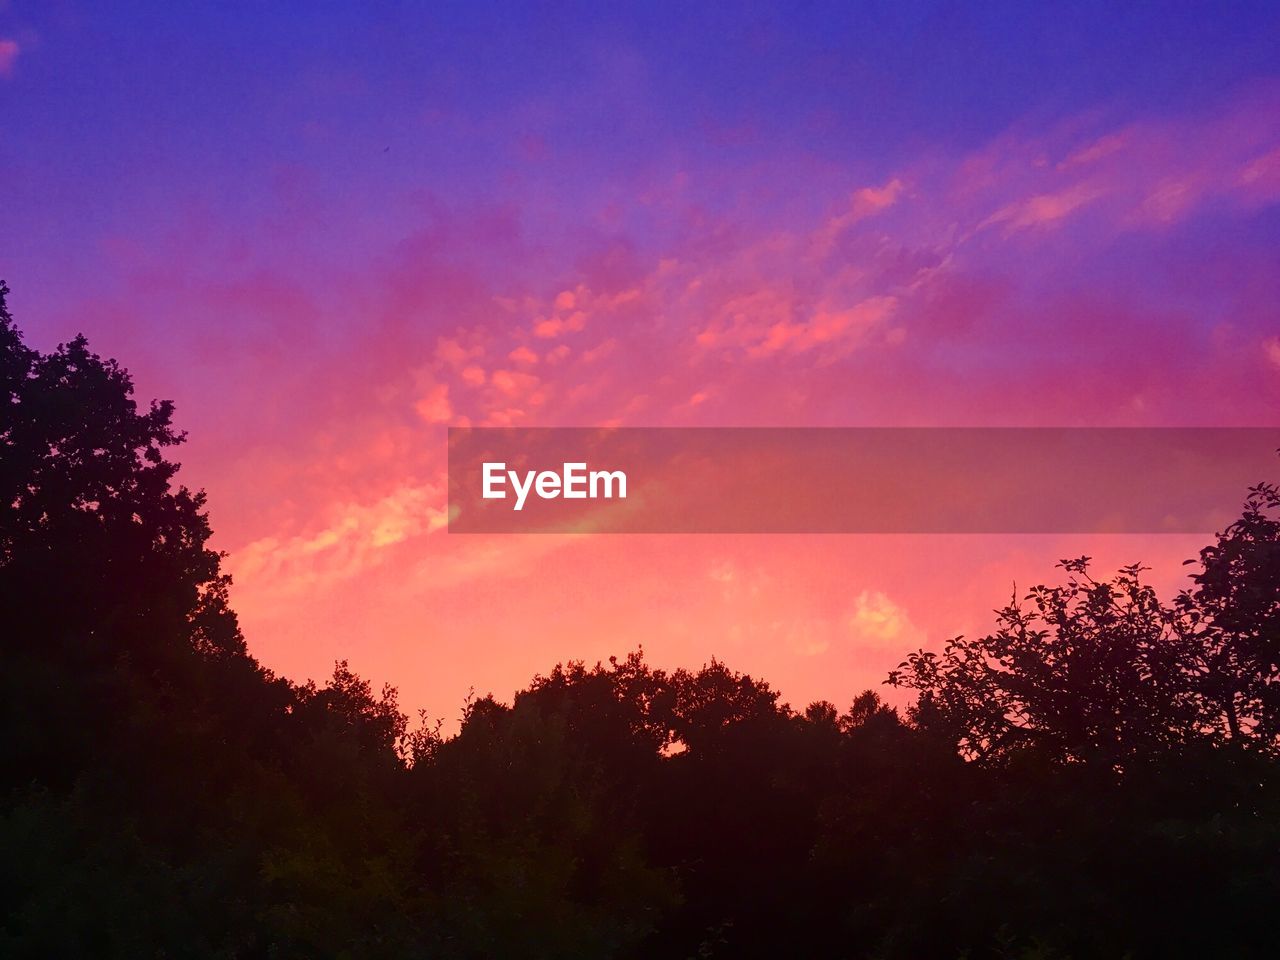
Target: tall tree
x=1086, y=671
x=1234, y=608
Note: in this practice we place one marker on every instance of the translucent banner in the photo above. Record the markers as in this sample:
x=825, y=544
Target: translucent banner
x=854, y=480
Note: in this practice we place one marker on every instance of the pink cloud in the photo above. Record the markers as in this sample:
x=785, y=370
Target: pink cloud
x=1271, y=350
x=1044, y=210
x=325, y=466
x=824, y=326
x=1146, y=175
x=878, y=621
x=434, y=407
x=1260, y=177
x=9, y=51
x=550, y=327
x=865, y=202
x=1100, y=148
x=354, y=537
x=870, y=200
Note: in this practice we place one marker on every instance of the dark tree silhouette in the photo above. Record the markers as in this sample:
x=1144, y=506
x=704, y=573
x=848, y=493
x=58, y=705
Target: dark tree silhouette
x=1234, y=613
x=1097, y=778
x=1083, y=672
x=1106, y=674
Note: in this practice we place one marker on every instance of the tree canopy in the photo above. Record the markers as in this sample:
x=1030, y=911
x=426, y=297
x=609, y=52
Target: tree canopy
x=1097, y=777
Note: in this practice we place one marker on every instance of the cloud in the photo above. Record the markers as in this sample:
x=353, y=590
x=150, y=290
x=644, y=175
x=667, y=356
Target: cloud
x=1259, y=179
x=905, y=300
x=571, y=310
x=769, y=322
x=481, y=560
x=1100, y=148
x=550, y=327
x=1043, y=210
x=434, y=407
x=806, y=637
x=878, y=621
x=523, y=355
x=9, y=51
x=825, y=325
x=1271, y=350
x=354, y=539
x=1149, y=174
x=600, y=351
x=870, y=200
x=451, y=352
x=866, y=202
x=314, y=474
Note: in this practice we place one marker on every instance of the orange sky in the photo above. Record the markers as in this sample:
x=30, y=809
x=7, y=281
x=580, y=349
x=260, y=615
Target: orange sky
x=951, y=294
x=326, y=271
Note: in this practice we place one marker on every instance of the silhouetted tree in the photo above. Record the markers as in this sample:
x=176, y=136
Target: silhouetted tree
x=1097, y=778
x=1083, y=672
x=1233, y=613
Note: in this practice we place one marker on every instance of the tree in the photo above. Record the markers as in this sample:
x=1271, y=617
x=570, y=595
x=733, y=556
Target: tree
x=109, y=592
x=715, y=702
x=1086, y=672
x=143, y=753
x=534, y=813
x=1104, y=673
x=83, y=472
x=1234, y=611
x=162, y=794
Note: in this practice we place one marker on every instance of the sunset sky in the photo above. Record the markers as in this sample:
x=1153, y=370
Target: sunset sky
x=330, y=231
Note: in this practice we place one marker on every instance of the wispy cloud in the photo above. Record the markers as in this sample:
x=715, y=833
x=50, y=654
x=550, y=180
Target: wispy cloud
x=9, y=50
x=879, y=301
x=355, y=538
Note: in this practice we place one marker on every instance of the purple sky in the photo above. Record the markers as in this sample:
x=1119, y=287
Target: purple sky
x=328, y=230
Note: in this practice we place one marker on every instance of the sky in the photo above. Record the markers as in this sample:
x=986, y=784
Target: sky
x=330, y=231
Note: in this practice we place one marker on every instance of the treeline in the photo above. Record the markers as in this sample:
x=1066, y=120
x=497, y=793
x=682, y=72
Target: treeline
x=1096, y=778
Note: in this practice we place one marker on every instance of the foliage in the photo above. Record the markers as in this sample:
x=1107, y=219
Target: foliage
x=1096, y=778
